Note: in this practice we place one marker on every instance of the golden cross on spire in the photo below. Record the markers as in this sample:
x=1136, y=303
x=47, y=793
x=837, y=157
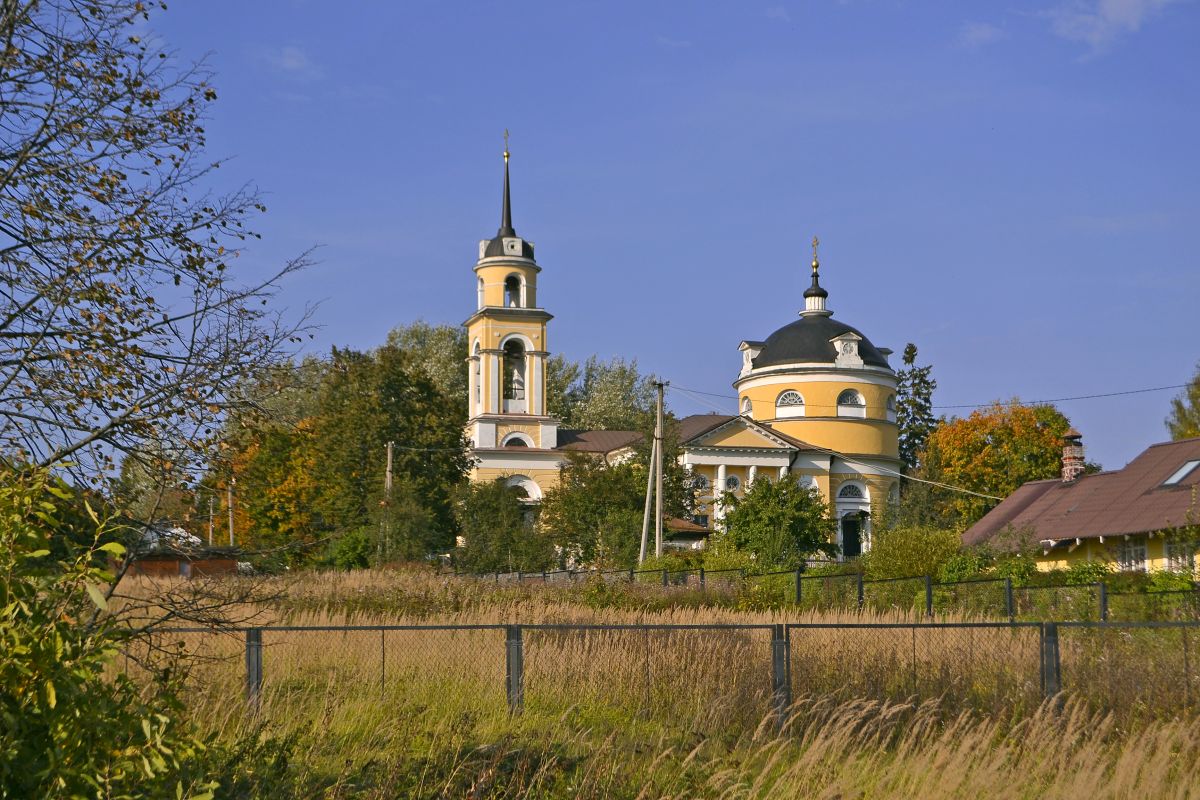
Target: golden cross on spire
x=506, y=145
x=816, y=261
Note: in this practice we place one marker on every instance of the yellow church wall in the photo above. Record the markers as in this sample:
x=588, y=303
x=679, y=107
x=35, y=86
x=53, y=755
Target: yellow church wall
x=493, y=276
x=844, y=434
x=491, y=332
x=738, y=437
x=820, y=397
x=546, y=478
x=534, y=432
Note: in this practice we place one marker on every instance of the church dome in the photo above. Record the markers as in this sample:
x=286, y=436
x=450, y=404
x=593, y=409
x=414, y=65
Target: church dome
x=507, y=243
x=807, y=340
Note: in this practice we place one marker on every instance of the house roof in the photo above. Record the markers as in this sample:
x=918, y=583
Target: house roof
x=677, y=525
x=1116, y=503
x=596, y=441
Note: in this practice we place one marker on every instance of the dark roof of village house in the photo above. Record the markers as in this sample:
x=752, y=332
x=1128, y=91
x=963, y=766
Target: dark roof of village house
x=1125, y=501
x=596, y=441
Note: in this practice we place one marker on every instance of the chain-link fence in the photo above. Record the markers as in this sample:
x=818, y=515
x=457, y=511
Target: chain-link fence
x=704, y=677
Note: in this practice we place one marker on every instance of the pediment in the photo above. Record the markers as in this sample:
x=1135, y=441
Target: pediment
x=740, y=432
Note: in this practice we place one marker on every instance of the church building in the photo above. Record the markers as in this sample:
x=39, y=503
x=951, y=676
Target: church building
x=817, y=402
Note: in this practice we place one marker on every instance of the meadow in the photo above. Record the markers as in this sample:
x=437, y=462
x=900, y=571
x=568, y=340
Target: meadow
x=666, y=713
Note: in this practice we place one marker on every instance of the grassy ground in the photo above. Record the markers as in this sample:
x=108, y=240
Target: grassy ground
x=665, y=714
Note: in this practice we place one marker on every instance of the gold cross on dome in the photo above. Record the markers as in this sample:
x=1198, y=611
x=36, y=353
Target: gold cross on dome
x=506, y=144
x=816, y=262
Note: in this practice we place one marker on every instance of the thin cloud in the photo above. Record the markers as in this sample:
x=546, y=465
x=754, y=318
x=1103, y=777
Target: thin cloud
x=292, y=60
x=780, y=13
x=973, y=35
x=1099, y=23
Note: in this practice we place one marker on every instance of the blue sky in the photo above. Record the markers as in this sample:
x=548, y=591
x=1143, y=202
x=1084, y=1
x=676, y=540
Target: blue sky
x=1011, y=186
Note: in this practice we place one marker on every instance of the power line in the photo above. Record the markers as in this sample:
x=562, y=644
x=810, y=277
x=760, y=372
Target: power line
x=986, y=405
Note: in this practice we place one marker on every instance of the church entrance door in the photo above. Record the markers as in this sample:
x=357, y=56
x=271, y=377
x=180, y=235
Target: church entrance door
x=851, y=536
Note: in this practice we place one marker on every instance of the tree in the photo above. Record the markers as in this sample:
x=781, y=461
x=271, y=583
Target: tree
x=612, y=395
x=440, y=351
x=914, y=406
x=595, y=512
x=368, y=400
x=498, y=531
x=992, y=452
x=122, y=324
x=780, y=522
x=561, y=375
x=1184, y=420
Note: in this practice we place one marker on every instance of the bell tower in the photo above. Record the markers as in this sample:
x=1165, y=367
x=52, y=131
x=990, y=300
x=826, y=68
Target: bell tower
x=507, y=340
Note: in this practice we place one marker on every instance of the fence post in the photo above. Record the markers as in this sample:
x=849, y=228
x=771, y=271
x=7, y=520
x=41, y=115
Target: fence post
x=514, y=668
x=799, y=585
x=702, y=578
x=860, y=591
x=928, y=595
x=781, y=685
x=665, y=578
x=1103, y=591
x=520, y=577
x=254, y=671
x=1051, y=665
x=1009, y=606
x=631, y=574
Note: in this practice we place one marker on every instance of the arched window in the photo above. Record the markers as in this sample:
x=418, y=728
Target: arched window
x=789, y=404
x=512, y=292
x=479, y=292
x=746, y=406
x=533, y=492
x=850, y=403
x=516, y=440
x=850, y=492
x=514, y=375
x=891, y=408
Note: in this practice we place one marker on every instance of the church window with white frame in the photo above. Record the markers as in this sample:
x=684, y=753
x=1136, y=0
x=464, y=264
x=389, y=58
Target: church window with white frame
x=732, y=483
x=850, y=491
x=789, y=404
x=1131, y=555
x=746, y=406
x=891, y=408
x=700, y=482
x=850, y=403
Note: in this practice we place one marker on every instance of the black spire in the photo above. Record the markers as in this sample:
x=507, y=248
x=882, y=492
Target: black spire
x=506, y=226
x=815, y=289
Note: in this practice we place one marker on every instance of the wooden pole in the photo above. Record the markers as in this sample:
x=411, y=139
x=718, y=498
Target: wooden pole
x=658, y=474
x=649, y=491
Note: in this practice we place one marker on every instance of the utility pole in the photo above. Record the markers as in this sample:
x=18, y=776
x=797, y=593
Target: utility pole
x=658, y=473
x=386, y=544
x=649, y=493
x=211, y=519
x=229, y=501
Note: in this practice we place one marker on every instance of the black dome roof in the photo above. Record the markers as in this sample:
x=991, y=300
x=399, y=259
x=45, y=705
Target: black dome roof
x=807, y=340
x=495, y=246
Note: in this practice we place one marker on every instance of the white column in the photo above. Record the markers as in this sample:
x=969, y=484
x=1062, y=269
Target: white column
x=783, y=471
x=534, y=385
x=752, y=476
x=718, y=487
x=495, y=366
x=471, y=386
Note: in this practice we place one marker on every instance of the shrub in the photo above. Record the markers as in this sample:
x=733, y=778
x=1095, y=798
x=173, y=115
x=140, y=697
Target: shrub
x=1082, y=572
x=353, y=550
x=68, y=731
x=909, y=551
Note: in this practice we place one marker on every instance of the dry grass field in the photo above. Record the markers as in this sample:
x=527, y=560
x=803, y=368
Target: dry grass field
x=877, y=712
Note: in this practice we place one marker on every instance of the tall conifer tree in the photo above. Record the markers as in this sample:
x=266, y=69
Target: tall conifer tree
x=914, y=406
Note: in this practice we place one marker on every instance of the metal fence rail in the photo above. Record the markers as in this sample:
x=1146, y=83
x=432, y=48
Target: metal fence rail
x=995, y=597
x=710, y=675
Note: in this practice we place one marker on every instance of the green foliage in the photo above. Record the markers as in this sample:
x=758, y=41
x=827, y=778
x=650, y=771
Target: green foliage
x=70, y=730
x=1166, y=581
x=1082, y=572
x=596, y=510
x=780, y=522
x=440, y=352
x=498, y=530
x=964, y=565
x=1183, y=421
x=353, y=550
x=914, y=407
x=600, y=395
x=904, y=552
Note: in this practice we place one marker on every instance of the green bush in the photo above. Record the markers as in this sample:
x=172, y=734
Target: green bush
x=909, y=551
x=353, y=550
x=1082, y=572
x=68, y=730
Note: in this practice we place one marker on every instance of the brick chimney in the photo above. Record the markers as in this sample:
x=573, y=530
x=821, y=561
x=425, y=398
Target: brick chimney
x=1072, y=458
